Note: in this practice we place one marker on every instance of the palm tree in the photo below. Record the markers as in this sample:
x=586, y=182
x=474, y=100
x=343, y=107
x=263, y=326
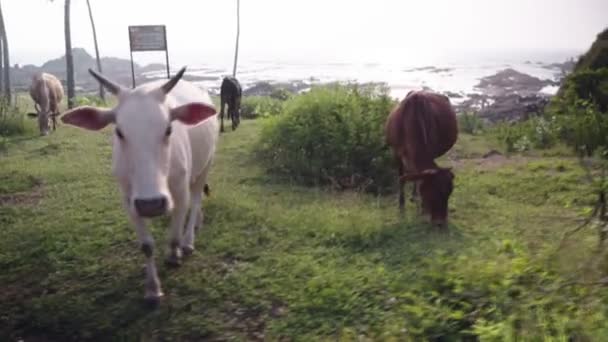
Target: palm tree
x=1, y=69
x=69, y=58
x=238, y=33
x=5, y=59
x=101, y=90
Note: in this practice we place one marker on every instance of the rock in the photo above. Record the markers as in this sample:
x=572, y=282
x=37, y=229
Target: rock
x=266, y=88
x=491, y=154
x=429, y=69
x=510, y=81
x=452, y=94
x=514, y=107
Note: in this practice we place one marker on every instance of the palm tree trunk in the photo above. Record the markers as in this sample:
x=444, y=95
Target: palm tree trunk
x=101, y=90
x=238, y=34
x=1, y=68
x=5, y=60
x=69, y=58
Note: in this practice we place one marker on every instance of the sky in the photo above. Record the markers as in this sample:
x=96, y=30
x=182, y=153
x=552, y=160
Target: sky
x=203, y=31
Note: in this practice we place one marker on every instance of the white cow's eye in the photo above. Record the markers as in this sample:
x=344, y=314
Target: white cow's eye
x=119, y=134
x=168, y=131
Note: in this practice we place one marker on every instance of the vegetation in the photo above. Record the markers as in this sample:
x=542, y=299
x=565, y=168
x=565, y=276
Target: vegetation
x=597, y=56
x=470, y=123
x=280, y=261
x=12, y=121
x=89, y=100
x=253, y=107
x=536, y=133
x=332, y=135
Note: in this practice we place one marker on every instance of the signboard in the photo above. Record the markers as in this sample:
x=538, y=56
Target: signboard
x=148, y=38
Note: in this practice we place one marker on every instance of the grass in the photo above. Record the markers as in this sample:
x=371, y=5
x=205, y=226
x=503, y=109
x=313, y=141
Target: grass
x=277, y=261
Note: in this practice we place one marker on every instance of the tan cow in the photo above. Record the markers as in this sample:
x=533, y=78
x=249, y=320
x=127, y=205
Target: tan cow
x=47, y=92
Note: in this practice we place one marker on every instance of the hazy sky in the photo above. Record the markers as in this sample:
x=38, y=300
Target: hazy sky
x=309, y=30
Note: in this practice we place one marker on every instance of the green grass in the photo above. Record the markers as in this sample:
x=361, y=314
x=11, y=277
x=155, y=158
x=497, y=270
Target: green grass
x=279, y=261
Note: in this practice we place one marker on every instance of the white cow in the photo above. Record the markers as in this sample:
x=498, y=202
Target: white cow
x=163, y=147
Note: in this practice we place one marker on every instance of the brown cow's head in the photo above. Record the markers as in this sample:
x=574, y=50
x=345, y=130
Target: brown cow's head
x=435, y=187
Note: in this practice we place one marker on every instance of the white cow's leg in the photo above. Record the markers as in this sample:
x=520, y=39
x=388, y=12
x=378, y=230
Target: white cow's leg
x=153, y=291
x=178, y=219
x=195, y=219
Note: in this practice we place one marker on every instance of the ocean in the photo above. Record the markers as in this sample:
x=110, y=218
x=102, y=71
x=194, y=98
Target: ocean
x=460, y=75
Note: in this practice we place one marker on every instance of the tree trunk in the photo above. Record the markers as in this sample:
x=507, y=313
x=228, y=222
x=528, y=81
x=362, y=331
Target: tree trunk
x=69, y=58
x=1, y=68
x=238, y=34
x=5, y=59
x=101, y=90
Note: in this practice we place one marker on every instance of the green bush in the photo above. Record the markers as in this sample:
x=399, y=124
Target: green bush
x=536, y=133
x=470, y=123
x=12, y=121
x=332, y=135
x=260, y=106
x=88, y=100
x=508, y=299
x=582, y=110
x=281, y=94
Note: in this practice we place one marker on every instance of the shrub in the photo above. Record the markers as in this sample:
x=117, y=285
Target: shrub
x=511, y=298
x=281, y=94
x=584, y=127
x=582, y=110
x=536, y=133
x=470, y=123
x=260, y=106
x=12, y=121
x=332, y=135
x=88, y=100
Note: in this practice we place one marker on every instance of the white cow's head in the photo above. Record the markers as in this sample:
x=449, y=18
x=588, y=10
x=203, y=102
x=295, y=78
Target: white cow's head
x=143, y=132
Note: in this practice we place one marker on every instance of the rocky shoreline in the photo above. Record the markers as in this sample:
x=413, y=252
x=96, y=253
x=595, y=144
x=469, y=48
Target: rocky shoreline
x=508, y=95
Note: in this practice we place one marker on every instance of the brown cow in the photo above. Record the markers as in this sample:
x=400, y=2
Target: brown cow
x=47, y=92
x=420, y=129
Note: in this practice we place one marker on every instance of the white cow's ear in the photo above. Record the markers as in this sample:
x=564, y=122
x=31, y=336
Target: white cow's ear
x=192, y=113
x=90, y=118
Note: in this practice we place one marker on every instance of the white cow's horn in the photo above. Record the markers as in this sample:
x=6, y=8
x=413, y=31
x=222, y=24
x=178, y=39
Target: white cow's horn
x=166, y=88
x=106, y=83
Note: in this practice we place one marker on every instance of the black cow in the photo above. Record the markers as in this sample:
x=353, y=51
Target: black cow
x=230, y=95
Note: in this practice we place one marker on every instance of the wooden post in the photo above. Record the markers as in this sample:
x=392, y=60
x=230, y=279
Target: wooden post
x=167, y=53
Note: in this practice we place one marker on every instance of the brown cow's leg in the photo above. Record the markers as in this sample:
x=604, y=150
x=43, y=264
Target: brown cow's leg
x=401, y=186
x=415, y=198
